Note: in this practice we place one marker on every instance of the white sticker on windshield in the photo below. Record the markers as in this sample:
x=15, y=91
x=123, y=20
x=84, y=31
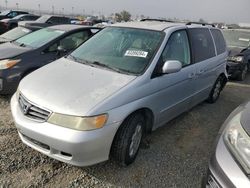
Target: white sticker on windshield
x=136, y=53
x=244, y=39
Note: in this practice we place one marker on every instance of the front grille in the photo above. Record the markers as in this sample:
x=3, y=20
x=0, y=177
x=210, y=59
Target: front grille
x=32, y=111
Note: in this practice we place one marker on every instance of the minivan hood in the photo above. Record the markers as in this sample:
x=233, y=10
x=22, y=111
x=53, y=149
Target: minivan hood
x=9, y=50
x=67, y=87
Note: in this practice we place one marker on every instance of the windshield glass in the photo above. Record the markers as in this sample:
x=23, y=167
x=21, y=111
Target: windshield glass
x=43, y=19
x=237, y=38
x=125, y=50
x=15, y=33
x=4, y=13
x=39, y=38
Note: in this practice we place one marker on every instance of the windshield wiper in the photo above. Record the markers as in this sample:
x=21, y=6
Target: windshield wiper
x=19, y=44
x=106, y=66
x=78, y=60
x=122, y=71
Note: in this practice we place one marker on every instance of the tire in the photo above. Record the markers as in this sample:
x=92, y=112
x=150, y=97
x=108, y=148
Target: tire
x=243, y=73
x=128, y=138
x=216, y=90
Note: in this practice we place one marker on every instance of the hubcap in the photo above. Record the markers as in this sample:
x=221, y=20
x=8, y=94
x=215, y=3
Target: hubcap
x=217, y=90
x=136, y=140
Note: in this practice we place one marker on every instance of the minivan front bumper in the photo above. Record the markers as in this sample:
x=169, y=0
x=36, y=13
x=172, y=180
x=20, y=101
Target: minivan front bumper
x=79, y=148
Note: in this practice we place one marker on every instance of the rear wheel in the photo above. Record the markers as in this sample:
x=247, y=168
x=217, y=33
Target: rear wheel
x=128, y=139
x=243, y=73
x=215, y=92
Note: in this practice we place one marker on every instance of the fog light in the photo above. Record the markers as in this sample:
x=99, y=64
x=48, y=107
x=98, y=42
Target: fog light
x=1, y=84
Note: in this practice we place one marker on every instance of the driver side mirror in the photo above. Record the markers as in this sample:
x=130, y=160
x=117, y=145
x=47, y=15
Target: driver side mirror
x=171, y=66
x=61, y=51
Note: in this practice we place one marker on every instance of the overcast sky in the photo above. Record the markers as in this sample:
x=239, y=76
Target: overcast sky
x=211, y=10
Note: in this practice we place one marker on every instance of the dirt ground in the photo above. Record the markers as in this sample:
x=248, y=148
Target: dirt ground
x=177, y=155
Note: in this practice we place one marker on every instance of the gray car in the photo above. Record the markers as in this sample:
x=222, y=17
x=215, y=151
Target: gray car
x=126, y=81
x=230, y=163
x=45, y=21
x=34, y=50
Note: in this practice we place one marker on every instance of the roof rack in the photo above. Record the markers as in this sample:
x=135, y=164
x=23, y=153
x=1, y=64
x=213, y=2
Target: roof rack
x=158, y=20
x=200, y=23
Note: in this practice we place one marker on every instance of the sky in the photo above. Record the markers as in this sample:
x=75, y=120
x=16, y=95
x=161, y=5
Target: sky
x=229, y=11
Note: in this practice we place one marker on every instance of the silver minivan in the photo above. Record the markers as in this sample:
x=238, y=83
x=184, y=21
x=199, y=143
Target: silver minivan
x=129, y=79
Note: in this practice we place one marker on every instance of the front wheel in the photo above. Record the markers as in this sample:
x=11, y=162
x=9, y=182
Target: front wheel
x=128, y=139
x=215, y=92
x=243, y=73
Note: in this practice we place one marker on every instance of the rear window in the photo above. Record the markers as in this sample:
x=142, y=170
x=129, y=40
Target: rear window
x=219, y=41
x=202, y=44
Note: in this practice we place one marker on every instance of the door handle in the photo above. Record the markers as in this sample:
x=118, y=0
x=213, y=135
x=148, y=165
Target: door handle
x=191, y=75
x=200, y=72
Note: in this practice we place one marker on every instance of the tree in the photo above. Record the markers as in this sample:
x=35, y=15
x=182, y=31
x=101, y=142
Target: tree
x=118, y=17
x=126, y=16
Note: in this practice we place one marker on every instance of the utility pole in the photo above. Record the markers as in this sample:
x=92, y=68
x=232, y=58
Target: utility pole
x=39, y=7
x=53, y=9
x=63, y=11
x=72, y=11
x=17, y=6
x=6, y=4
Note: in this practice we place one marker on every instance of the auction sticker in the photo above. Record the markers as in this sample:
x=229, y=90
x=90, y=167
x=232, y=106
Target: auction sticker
x=136, y=53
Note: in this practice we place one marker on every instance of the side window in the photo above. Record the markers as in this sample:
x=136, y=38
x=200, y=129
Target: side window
x=202, y=44
x=177, y=48
x=71, y=41
x=52, y=20
x=12, y=14
x=219, y=41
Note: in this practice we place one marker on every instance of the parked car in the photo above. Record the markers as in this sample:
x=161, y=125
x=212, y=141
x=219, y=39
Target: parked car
x=11, y=14
x=28, y=53
x=14, y=34
x=45, y=21
x=238, y=41
x=8, y=24
x=230, y=163
x=127, y=80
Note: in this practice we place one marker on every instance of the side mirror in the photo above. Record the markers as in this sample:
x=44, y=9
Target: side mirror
x=61, y=49
x=171, y=66
x=49, y=22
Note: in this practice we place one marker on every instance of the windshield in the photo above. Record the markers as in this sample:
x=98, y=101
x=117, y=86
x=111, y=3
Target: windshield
x=15, y=33
x=40, y=37
x=124, y=50
x=4, y=13
x=43, y=19
x=237, y=38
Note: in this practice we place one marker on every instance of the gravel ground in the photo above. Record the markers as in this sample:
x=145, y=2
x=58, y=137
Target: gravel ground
x=176, y=155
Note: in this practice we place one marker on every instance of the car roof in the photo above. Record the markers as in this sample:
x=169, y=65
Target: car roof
x=69, y=27
x=151, y=25
x=161, y=25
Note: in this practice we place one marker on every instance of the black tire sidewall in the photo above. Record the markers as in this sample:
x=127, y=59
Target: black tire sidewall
x=138, y=118
x=211, y=96
x=241, y=76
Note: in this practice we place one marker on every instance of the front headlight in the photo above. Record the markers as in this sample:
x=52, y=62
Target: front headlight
x=237, y=59
x=8, y=63
x=238, y=142
x=79, y=123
